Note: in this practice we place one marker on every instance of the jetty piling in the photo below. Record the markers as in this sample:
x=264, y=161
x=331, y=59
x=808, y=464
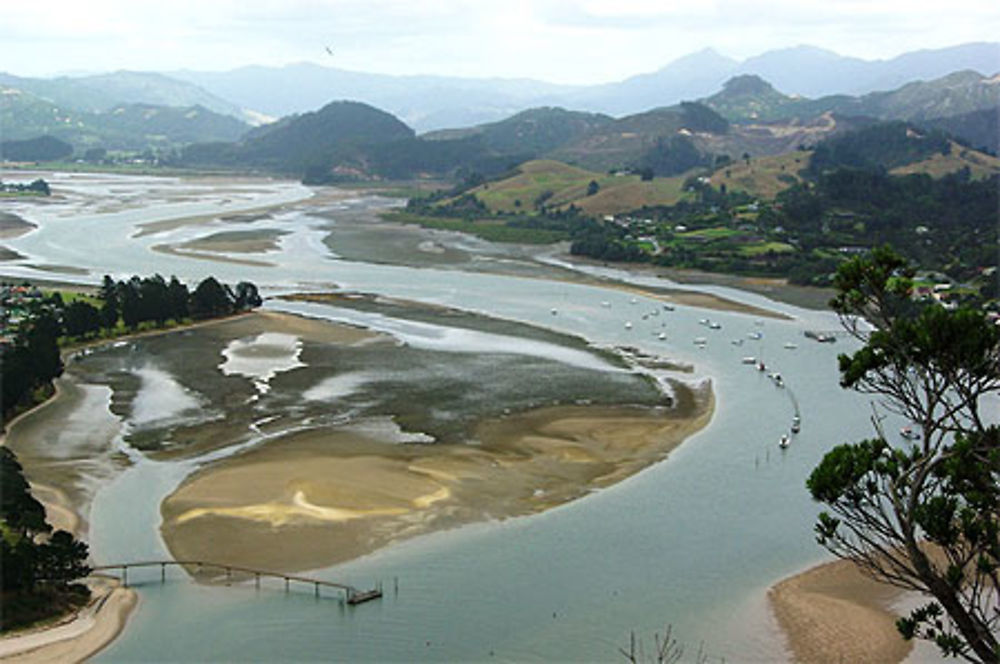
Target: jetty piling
x=350, y=593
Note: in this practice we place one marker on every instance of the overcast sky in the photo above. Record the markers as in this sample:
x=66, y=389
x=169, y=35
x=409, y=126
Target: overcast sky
x=564, y=41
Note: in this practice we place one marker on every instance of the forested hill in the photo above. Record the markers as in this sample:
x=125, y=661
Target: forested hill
x=348, y=140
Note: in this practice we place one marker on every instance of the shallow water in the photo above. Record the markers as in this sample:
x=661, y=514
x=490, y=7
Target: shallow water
x=693, y=541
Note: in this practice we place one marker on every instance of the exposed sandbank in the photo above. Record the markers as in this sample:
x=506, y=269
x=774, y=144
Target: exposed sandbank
x=12, y=225
x=834, y=613
x=241, y=242
x=315, y=498
x=219, y=258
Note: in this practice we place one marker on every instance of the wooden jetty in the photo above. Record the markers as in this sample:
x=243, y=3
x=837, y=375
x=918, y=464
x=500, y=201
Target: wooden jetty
x=351, y=594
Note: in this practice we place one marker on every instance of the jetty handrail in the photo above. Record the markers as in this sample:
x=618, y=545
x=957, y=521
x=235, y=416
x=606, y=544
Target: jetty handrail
x=351, y=590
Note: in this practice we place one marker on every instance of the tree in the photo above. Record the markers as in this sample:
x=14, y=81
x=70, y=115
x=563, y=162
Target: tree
x=62, y=559
x=247, y=296
x=179, y=299
x=924, y=515
x=81, y=318
x=593, y=187
x=210, y=298
x=19, y=510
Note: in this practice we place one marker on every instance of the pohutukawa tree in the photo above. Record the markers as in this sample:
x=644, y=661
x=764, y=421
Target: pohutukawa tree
x=923, y=514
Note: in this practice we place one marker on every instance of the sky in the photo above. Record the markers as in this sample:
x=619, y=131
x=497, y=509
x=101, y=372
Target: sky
x=560, y=41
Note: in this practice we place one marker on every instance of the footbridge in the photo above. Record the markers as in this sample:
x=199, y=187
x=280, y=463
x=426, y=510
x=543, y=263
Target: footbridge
x=351, y=594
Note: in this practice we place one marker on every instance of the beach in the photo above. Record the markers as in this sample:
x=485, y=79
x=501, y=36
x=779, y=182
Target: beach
x=834, y=613
x=77, y=637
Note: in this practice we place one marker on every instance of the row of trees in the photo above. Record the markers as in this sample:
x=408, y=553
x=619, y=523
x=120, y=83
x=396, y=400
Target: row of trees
x=31, y=362
x=38, y=567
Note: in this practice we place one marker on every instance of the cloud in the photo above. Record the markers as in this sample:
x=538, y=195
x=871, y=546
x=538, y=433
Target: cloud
x=561, y=40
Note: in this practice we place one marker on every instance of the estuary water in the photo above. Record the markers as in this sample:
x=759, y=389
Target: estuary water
x=692, y=542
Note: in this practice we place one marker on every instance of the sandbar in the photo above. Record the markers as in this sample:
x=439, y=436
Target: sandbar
x=12, y=225
x=219, y=258
x=318, y=497
x=834, y=613
x=245, y=242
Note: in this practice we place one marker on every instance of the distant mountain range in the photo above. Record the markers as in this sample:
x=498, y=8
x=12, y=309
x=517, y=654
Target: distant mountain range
x=495, y=121
x=433, y=102
x=125, y=126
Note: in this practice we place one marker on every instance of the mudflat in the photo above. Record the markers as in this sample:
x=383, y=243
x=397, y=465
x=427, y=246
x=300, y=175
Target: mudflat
x=315, y=498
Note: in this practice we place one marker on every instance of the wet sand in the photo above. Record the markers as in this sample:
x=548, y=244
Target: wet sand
x=12, y=225
x=315, y=498
x=218, y=258
x=834, y=613
x=242, y=242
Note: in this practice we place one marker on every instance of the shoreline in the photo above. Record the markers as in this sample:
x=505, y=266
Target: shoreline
x=77, y=637
x=832, y=612
x=80, y=635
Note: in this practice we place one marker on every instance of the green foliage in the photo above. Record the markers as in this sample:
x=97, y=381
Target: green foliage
x=701, y=118
x=924, y=516
x=880, y=146
x=37, y=569
x=672, y=156
x=210, y=299
x=19, y=510
x=42, y=148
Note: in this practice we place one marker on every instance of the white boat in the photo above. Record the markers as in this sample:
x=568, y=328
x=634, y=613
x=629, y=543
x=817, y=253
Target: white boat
x=668, y=307
x=628, y=325
x=715, y=326
x=554, y=311
x=703, y=321
x=749, y=360
x=776, y=377
x=634, y=301
x=737, y=342
x=606, y=304
x=783, y=441
x=796, y=427
x=790, y=346
x=755, y=335
x=700, y=341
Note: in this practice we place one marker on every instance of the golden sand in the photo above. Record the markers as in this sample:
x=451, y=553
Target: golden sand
x=315, y=498
x=834, y=613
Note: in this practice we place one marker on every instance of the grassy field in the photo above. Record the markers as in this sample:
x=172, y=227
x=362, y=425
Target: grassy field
x=568, y=185
x=492, y=230
x=980, y=164
x=763, y=177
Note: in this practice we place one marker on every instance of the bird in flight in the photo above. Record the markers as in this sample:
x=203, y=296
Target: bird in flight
x=329, y=50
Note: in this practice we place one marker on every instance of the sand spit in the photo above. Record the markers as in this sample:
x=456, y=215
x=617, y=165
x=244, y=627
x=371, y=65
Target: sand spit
x=241, y=242
x=219, y=258
x=834, y=613
x=80, y=636
x=318, y=497
x=12, y=225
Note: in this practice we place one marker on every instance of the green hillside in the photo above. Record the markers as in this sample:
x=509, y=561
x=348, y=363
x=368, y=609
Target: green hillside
x=555, y=185
x=125, y=127
x=535, y=131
